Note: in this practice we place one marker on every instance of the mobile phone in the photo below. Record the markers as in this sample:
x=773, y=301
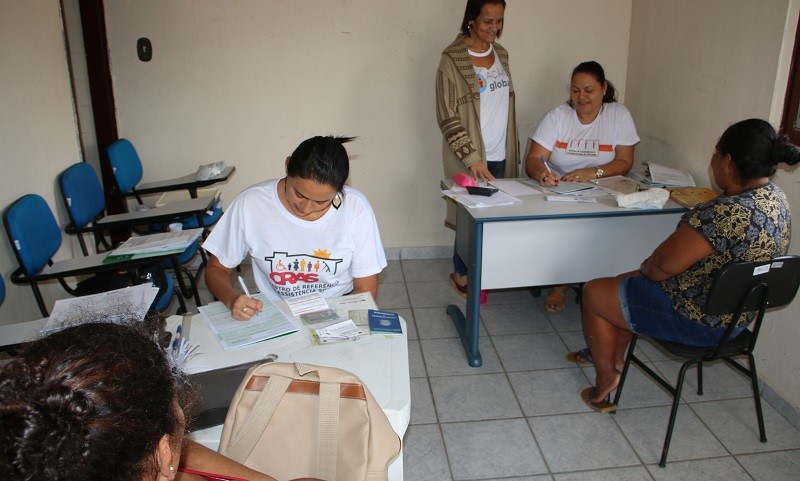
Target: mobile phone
x=485, y=191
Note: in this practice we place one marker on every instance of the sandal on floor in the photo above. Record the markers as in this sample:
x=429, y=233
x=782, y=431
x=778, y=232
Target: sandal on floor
x=461, y=290
x=603, y=406
x=582, y=357
x=555, y=301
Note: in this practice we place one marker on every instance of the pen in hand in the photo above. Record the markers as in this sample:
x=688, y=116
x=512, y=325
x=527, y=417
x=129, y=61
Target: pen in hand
x=547, y=166
x=249, y=310
x=244, y=287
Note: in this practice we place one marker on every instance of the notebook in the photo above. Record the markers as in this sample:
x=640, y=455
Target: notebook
x=568, y=187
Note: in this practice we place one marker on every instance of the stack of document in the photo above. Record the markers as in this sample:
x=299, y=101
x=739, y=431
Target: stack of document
x=568, y=187
x=341, y=331
x=460, y=195
x=661, y=176
x=270, y=323
x=154, y=245
x=328, y=321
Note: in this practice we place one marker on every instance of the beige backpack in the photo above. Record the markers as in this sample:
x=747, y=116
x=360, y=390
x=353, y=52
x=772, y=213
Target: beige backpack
x=300, y=420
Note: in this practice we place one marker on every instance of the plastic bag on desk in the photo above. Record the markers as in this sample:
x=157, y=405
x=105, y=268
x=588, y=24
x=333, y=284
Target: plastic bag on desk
x=646, y=199
x=208, y=171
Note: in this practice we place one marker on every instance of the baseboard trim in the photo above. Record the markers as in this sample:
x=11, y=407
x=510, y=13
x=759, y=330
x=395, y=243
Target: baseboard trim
x=784, y=408
x=409, y=253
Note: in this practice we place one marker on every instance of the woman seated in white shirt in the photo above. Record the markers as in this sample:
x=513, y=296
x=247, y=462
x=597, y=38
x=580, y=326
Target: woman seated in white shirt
x=588, y=137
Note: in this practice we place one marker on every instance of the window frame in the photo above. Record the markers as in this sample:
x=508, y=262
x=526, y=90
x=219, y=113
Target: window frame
x=790, y=122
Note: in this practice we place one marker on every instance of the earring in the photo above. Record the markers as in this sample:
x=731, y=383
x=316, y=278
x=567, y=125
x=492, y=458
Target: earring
x=337, y=202
x=171, y=468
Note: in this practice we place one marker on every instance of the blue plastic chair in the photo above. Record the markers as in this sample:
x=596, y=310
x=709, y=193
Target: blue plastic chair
x=85, y=201
x=36, y=237
x=127, y=168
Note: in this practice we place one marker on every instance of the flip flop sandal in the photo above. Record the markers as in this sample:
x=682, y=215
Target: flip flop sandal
x=461, y=290
x=602, y=407
x=555, y=301
x=582, y=357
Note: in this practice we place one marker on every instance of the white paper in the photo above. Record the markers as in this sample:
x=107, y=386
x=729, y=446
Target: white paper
x=312, y=302
x=122, y=304
x=165, y=241
x=461, y=196
x=516, y=187
x=341, y=331
x=271, y=322
x=355, y=302
x=571, y=198
x=618, y=184
x=660, y=174
x=569, y=187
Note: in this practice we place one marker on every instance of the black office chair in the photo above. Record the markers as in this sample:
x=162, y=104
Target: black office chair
x=738, y=289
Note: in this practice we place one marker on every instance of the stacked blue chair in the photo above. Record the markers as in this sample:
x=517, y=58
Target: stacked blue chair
x=36, y=237
x=127, y=168
x=86, y=203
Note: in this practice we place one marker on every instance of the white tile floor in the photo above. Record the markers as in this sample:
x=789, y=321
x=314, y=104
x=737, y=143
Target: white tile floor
x=520, y=416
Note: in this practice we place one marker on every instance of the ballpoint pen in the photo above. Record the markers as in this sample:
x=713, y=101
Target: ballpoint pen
x=546, y=165
x=244, y=287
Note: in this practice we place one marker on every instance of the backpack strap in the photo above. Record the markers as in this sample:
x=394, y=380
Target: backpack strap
x=328, y=433
x=328, y=422
x=247, y=438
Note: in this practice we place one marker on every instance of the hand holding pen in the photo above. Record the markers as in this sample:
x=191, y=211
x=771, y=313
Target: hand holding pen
x=548, y=178
x=244, y=306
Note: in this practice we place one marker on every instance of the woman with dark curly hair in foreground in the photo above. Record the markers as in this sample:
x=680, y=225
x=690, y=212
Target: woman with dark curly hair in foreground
x=101, y=401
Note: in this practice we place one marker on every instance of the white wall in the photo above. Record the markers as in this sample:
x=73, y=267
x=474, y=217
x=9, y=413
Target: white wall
x=695, y=68
x=38, y=133
x=246, y=80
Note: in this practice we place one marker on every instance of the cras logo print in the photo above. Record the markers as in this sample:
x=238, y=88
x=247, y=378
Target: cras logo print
x=297, y=274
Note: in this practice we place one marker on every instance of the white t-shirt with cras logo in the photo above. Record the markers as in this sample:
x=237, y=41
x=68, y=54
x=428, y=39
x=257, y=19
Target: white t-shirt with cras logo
x=573, y=145
x=292, y=256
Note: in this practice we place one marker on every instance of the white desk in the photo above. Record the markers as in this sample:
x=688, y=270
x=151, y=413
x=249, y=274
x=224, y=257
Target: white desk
x=11, y=334
x=539, y=243
x=381, y=362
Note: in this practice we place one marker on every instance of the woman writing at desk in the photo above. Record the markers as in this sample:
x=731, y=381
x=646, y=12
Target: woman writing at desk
x=665, y=299
x=475, y=107
x=588, y=137
x=306, y=232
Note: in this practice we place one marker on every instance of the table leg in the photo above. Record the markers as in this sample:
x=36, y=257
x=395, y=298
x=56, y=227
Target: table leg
x=469, y=244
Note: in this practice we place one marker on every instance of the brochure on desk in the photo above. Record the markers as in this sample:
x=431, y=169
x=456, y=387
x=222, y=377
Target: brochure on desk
x=270, y=323
x=118, y=305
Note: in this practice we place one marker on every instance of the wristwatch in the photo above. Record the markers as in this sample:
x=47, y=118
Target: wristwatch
x=598, y=173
